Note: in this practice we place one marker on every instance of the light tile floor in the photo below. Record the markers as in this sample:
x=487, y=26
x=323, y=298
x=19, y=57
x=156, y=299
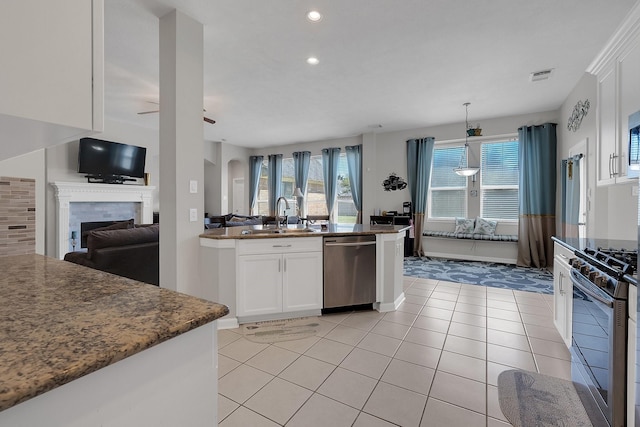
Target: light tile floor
x=434, y=362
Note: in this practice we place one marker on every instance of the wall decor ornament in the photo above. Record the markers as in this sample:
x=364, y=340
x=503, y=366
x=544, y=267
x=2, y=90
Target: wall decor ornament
x=580, y=110
x=394, y=182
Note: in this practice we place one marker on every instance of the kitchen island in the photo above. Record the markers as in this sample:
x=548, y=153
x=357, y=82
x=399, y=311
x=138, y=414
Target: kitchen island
x=82, y=347
x=246, y=268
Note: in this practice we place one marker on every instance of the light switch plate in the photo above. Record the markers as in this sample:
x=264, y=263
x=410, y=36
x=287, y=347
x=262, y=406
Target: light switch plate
x=634, y=190
x=193, y=186
x=193, y=215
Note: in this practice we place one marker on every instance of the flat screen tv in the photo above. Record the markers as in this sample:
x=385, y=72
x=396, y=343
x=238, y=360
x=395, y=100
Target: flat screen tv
x=110, y=162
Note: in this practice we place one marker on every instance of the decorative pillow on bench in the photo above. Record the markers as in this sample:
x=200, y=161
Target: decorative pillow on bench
x=464, y=225
x=485, y=226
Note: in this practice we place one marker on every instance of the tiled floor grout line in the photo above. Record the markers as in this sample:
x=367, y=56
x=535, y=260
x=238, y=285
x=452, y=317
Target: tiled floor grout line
x=369, y=329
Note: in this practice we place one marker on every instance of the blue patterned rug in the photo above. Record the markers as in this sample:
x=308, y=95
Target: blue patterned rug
x=491, y=274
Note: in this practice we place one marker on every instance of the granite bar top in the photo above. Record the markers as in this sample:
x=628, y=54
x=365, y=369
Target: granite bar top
x=60, y=321
x=244, y=232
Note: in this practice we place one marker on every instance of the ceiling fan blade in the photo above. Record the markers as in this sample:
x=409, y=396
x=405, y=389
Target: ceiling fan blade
x=206, y=119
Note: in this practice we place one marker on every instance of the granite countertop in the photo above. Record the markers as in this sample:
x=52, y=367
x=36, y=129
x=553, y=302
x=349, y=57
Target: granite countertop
x=60, y=321
x=244, y=232
x=575, y=243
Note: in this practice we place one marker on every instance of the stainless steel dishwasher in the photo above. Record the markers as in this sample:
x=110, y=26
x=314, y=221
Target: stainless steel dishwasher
x=349, y=271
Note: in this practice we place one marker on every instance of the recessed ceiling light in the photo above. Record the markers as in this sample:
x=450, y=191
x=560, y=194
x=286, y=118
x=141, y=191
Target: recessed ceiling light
x=314, y=16
x=313, y=60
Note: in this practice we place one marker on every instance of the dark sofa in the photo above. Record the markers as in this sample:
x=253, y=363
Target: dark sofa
x=130, y=252
x=232, y=220
x=235, y=220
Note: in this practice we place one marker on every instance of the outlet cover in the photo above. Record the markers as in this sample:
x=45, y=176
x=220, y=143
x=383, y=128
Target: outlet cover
x=193, y=215
x=193, y=186
x=634, y=190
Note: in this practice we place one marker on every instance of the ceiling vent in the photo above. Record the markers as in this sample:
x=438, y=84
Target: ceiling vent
x=536, y=76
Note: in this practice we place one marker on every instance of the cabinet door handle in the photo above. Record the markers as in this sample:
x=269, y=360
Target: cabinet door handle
x=285, y=265
x=560, y=283
x=610, y=173
x=614, y=156
x=563, y=256
x=279, y=265
x=281, y=246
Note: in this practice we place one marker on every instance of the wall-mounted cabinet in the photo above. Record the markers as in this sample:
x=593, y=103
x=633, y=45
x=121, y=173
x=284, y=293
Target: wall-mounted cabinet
x=52, y=72
x=617, y=69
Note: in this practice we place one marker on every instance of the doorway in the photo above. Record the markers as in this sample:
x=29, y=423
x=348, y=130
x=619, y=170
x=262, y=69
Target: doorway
x=582, y=148
x=238, y=196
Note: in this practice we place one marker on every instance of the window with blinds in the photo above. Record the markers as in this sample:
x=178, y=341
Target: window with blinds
x=499, y=180
x=447, y=191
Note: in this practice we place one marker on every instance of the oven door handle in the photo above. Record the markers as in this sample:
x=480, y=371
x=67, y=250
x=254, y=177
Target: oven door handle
x=575, y=279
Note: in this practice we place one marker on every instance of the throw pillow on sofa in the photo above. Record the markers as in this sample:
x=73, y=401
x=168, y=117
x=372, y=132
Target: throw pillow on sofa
x=464, y=225
x=485, y=226
x=130, y=236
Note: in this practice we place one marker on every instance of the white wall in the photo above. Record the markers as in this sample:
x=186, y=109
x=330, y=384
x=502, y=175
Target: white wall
x=31, y=165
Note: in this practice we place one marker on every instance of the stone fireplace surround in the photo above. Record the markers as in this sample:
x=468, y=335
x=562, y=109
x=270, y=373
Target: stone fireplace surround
x=67, y=193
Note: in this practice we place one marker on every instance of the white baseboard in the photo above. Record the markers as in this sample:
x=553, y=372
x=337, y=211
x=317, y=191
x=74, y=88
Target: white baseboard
x=230, y=323
x=390, y=306
x=279, y=316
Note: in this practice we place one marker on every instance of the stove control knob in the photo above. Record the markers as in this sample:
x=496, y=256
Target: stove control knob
x=600, y=281
x=584, y=269
x=575, y=263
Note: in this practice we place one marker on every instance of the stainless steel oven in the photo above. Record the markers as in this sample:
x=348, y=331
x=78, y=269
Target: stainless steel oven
x=599, y=331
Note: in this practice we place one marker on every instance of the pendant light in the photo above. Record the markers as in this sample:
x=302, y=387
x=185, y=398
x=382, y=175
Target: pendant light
x=463, y=168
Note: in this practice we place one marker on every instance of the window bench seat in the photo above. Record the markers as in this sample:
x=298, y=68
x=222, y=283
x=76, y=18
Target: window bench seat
x=501, y=248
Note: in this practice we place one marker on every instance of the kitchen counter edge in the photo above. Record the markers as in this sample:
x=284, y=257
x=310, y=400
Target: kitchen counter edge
x=60, y=321
x=300, y=231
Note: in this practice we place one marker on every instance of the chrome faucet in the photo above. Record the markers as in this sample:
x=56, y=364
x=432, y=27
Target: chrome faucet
x=277, y=209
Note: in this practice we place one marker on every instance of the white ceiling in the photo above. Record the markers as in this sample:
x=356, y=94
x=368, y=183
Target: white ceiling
x=401, y=64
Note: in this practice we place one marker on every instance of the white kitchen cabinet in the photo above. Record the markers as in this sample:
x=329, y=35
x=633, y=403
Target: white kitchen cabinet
x=606, y=123
x=617, y=68
x=52, y=72
x=562, y=292
x=629, y=101
x=302, y=281
x=259, y=284
x=279, y=275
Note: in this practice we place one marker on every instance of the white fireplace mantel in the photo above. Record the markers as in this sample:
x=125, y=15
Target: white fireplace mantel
x=69, y=192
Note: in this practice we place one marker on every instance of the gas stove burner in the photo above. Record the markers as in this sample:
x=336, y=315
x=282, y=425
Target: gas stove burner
x=624, y=255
